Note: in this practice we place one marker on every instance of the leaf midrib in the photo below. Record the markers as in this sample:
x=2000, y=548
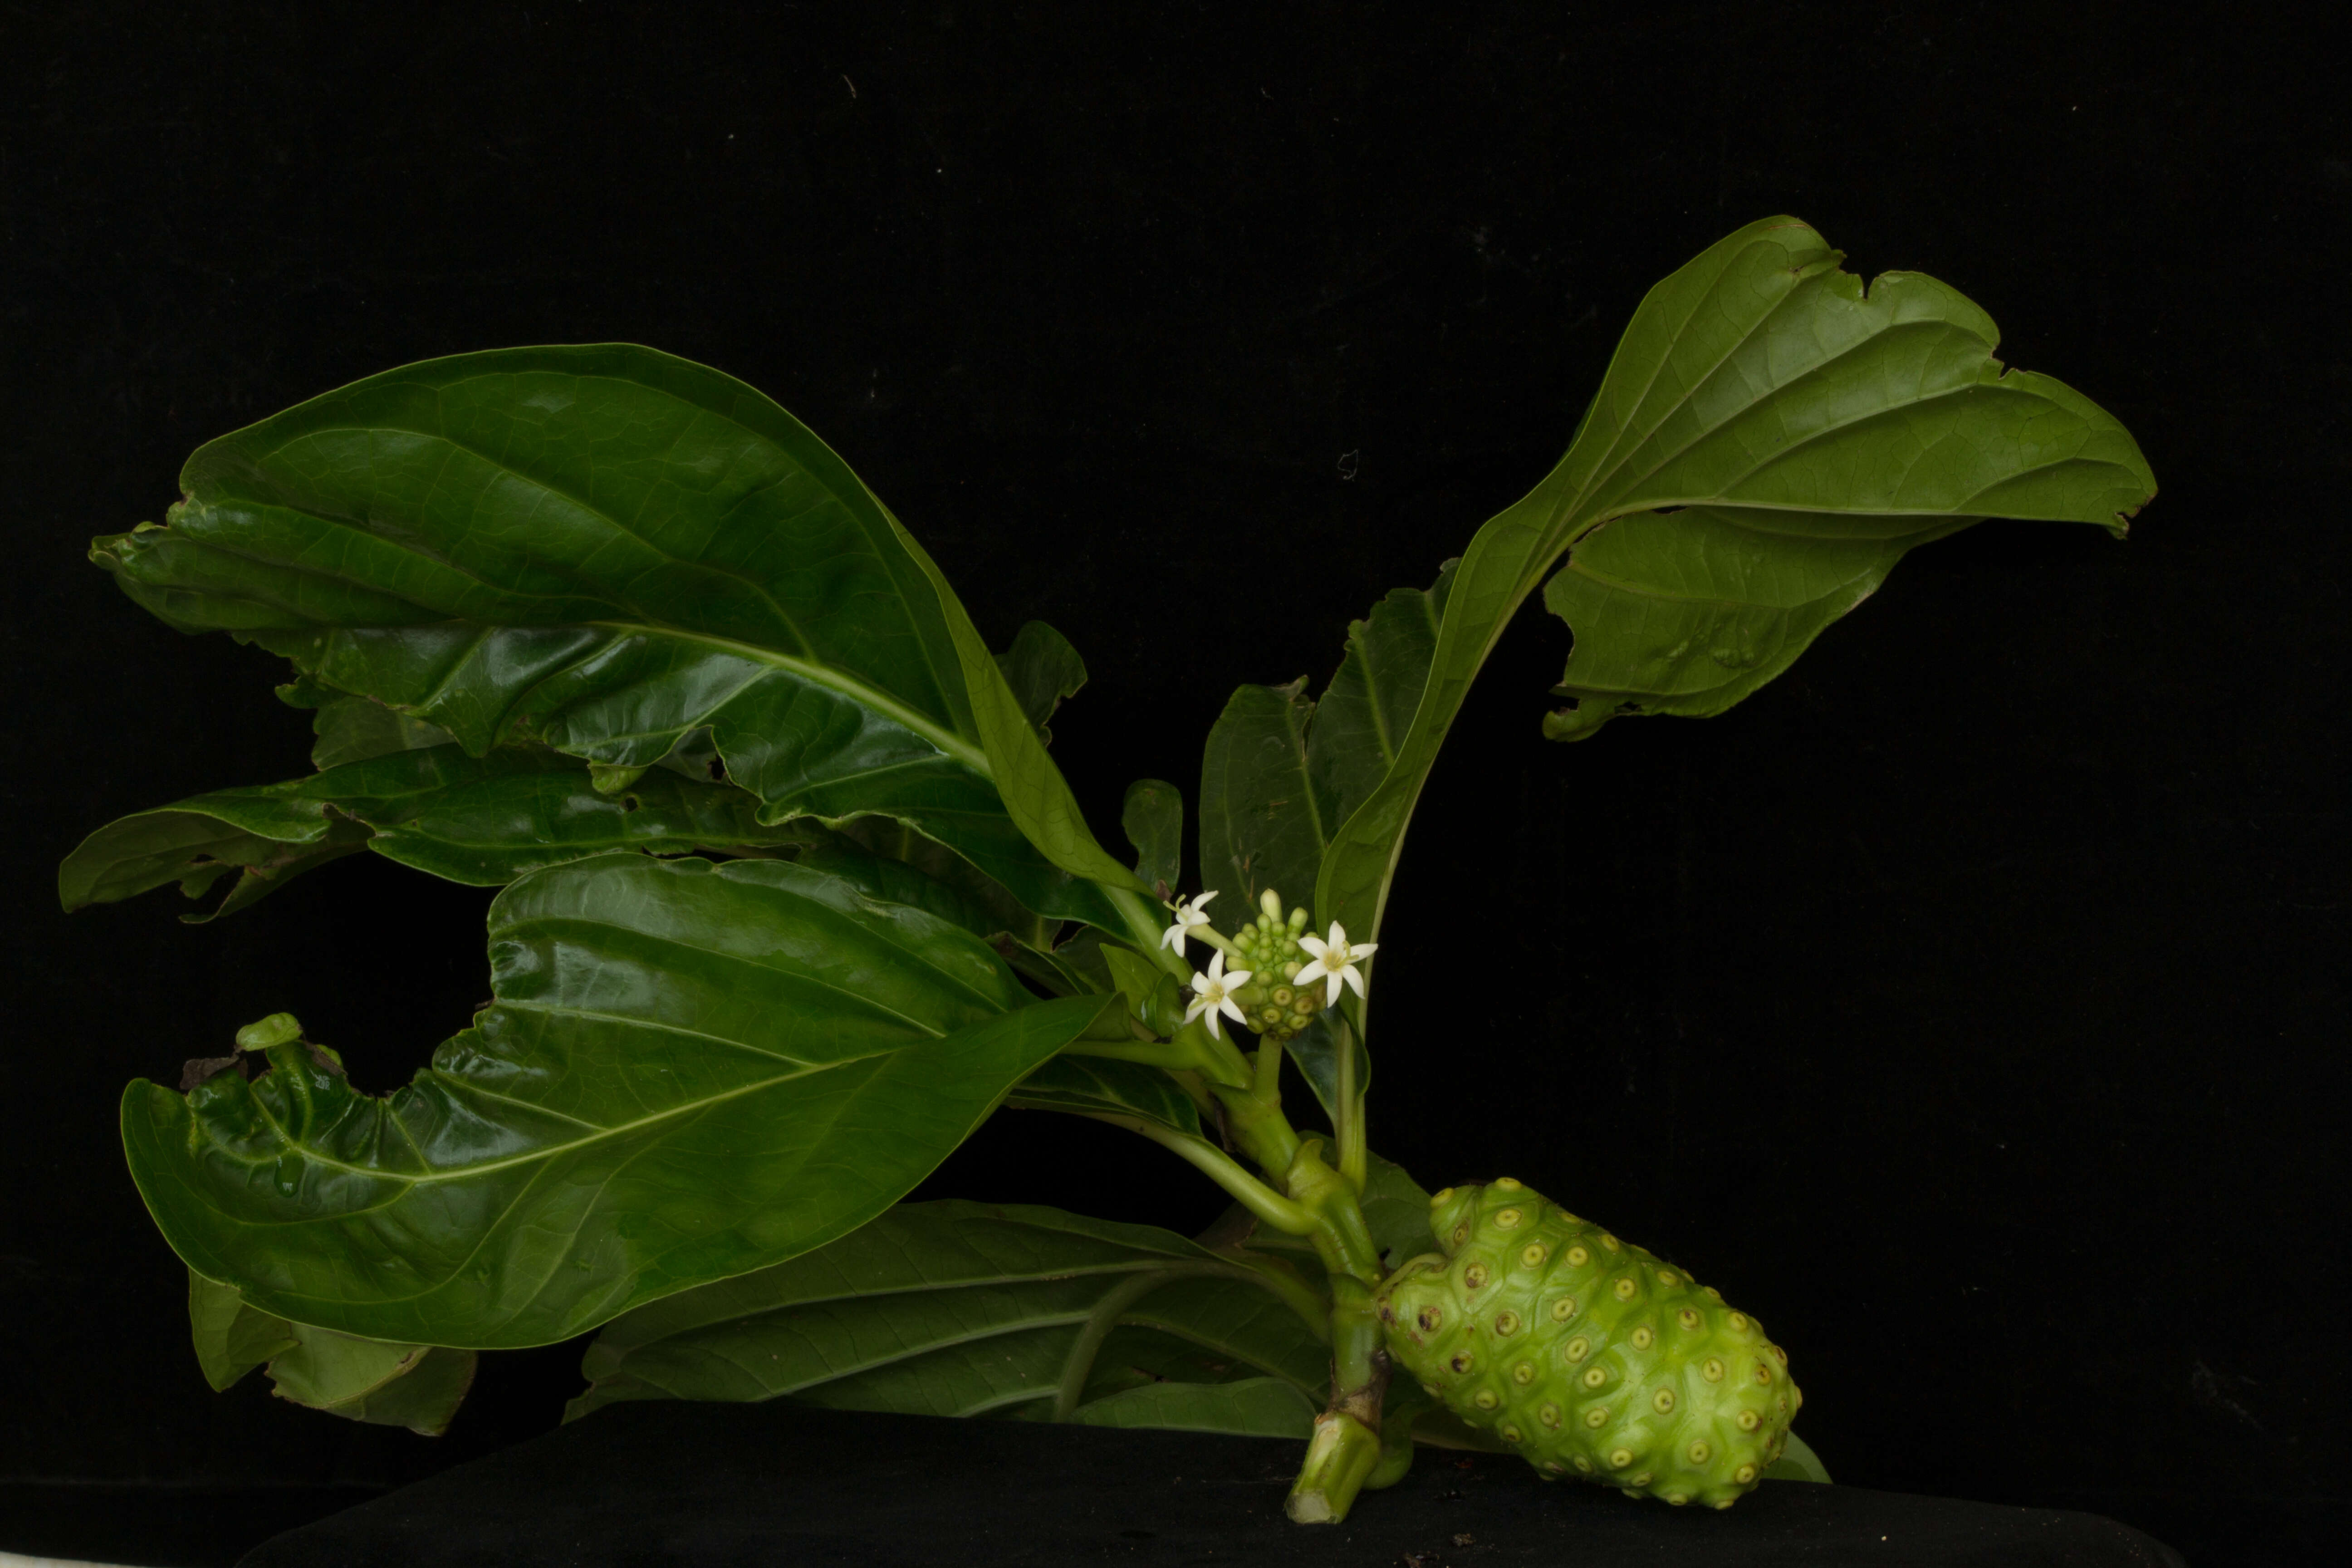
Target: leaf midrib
x=813, y=672
x=532, y=1157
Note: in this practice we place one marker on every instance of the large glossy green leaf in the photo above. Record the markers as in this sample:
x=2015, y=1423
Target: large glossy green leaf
x=603, y=549
x=1768, y=437
x=961, y=1308
x=992, y=905
x=687, y=1071
x=479, y=820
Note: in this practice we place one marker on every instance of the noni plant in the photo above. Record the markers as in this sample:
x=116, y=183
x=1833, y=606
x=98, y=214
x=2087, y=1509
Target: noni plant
x=794, y=898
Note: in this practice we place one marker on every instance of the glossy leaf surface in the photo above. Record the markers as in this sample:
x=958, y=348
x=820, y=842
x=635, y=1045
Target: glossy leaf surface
x=1758, y=379
x=687, y=1071
x=992, y=905
x=478, y=820
x=602, y=549
x=960, y=1309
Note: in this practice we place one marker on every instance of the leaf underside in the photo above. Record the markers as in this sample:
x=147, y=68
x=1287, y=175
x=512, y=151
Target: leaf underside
x=416, y=1386
x=961, y=1308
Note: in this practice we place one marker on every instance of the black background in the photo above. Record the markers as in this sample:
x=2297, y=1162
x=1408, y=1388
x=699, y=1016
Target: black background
x=1969, y=1003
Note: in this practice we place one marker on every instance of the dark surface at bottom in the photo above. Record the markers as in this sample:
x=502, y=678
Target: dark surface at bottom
x=739, y=1485
x=165, y=1527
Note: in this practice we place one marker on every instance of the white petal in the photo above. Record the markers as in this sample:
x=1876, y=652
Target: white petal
x=1237, y=979
x=1231, y=1011
x=1194, y=1010
x=1217, y=966
x=1173, y=937
x=1365, y=950
x=1338, y=934
x=1204, y=984
x=1355, y=979
x=1309, y=973
x=1331, y=990
x=1314, y=944
x=1213, y=1033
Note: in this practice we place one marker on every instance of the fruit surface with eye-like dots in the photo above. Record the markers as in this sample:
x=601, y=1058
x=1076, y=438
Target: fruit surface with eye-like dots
x=1585, y=1353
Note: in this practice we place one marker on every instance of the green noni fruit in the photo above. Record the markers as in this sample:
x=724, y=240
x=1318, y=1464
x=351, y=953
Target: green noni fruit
x=1586, y=1354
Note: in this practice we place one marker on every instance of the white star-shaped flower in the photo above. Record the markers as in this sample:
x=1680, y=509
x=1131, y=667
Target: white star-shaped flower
x=1216, y=990
x=1188, y=918
x=1335, y=961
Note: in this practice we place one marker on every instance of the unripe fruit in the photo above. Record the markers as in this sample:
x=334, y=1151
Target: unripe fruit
x=1587, y=1355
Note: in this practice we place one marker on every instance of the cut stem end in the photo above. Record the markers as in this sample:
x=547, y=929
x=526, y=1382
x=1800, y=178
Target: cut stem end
x=1340, y=1458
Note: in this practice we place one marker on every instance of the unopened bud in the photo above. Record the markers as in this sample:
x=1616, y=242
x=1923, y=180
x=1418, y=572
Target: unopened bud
x=1271, y=902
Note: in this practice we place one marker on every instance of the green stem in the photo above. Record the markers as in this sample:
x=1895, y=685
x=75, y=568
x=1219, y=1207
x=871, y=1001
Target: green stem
x=1326, y=1204
x=1270, y=1207
x=1266, y=1083
x=1346, y=1450
x=1214, y=939
x=1396, y=1441
x=1144, y=925
x=1340, y=1458
x=1080, y=1364
x=1359, y=1362
x=1257, y=1123
x=1341, y=1236
x=1349, y=1132
x=1178, y=1055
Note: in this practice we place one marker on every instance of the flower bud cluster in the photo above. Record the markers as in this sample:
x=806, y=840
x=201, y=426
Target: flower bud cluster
x=1269, y=947
x=1277, y=968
